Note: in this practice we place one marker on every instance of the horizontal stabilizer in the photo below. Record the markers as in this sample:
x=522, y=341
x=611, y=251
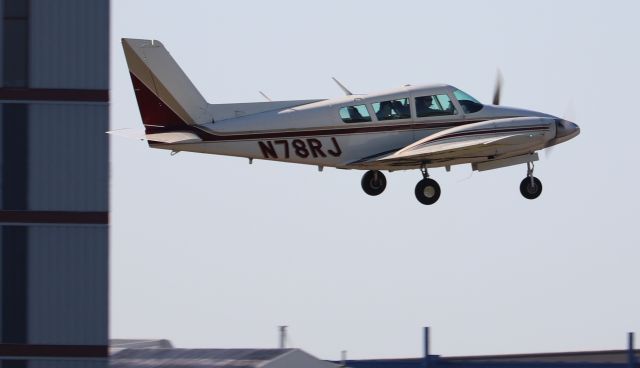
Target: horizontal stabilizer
x=169, y=137
x=173, y=137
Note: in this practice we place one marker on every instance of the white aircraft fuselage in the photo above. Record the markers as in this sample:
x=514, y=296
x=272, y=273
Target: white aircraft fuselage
x=404, y=128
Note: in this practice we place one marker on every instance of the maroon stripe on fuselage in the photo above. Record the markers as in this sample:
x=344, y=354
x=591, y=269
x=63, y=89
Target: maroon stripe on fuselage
x=156, y=115
x=212, y=137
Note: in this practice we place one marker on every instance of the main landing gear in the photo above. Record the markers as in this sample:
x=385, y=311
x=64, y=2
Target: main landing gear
x=427, y=190
x=530, y=187
x=373, y=182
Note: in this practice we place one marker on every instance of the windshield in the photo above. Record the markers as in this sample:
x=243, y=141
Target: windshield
x=468, y=103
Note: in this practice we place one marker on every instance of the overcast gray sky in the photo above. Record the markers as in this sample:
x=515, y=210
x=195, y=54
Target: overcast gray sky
x=208, y=251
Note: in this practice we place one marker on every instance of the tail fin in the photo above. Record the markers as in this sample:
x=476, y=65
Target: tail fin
x=166, y=97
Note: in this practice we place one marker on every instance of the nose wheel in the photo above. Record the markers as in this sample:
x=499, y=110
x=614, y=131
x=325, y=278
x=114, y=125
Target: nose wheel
x=373, y=182
x=530, y=187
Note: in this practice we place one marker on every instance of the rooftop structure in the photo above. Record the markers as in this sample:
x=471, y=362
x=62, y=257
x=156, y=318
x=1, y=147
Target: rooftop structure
x=588, y=359
x=216, y=358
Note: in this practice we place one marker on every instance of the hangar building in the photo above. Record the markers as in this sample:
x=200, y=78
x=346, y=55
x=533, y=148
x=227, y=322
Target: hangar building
x=628, y=358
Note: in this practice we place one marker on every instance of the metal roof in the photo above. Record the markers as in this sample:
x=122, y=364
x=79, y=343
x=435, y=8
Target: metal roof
x=181, y=358
x=120, y=344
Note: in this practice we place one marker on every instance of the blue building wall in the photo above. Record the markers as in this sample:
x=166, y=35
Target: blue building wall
x=54, y=183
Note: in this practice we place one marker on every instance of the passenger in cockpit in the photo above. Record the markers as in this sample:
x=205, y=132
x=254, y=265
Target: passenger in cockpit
x=385, y=111
x=402, y=111
x=423, y=106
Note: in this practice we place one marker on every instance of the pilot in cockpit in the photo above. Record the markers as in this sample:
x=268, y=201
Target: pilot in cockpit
x=354, y=114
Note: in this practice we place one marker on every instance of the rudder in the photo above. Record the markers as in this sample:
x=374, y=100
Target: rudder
x=167, y=99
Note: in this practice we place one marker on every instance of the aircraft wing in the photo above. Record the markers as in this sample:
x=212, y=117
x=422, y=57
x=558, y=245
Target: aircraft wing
x=457, y=145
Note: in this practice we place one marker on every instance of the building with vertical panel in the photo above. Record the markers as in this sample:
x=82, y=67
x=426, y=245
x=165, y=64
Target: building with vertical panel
x=54, y=183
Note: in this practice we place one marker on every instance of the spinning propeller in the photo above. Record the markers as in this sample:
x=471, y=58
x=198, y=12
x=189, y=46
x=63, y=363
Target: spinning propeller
x=562, y=125
x=497, y=91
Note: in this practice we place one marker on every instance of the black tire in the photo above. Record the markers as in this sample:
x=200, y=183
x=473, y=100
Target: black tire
x=427, y=191
x=528, y=191
x=373, y=182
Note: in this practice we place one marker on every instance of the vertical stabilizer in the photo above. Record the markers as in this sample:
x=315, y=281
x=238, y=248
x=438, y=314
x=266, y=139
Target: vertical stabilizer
x=166, y=97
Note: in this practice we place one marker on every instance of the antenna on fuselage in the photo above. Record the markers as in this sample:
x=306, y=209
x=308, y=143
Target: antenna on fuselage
x=265, y=96
x=343, y=88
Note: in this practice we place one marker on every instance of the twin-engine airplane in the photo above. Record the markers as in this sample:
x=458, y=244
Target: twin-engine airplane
x=411, y=127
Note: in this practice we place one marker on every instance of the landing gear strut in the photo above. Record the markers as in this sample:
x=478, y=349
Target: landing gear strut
x=530, y=187
x=373, y=182
x=427, y=190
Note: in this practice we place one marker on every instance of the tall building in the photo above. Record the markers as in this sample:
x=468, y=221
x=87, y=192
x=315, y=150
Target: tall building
x=54, y=183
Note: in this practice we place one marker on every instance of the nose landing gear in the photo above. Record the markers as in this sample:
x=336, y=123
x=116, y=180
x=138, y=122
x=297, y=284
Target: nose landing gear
x=530, y=187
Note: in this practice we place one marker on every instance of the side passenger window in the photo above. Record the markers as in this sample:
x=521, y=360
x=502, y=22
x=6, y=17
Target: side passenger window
x=435, y=105
x=355, y=114
x=391, y=110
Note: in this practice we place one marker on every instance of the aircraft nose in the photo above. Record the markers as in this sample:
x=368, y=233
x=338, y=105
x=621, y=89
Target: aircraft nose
x=566, y=130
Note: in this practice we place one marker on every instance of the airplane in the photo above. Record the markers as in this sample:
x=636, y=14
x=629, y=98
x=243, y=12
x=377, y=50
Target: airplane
x=410, y=127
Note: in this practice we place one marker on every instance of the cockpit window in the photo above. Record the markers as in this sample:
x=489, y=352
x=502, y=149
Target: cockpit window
x=391, y=110
x=435, y=105
x=468, y=103
x=355, y=114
